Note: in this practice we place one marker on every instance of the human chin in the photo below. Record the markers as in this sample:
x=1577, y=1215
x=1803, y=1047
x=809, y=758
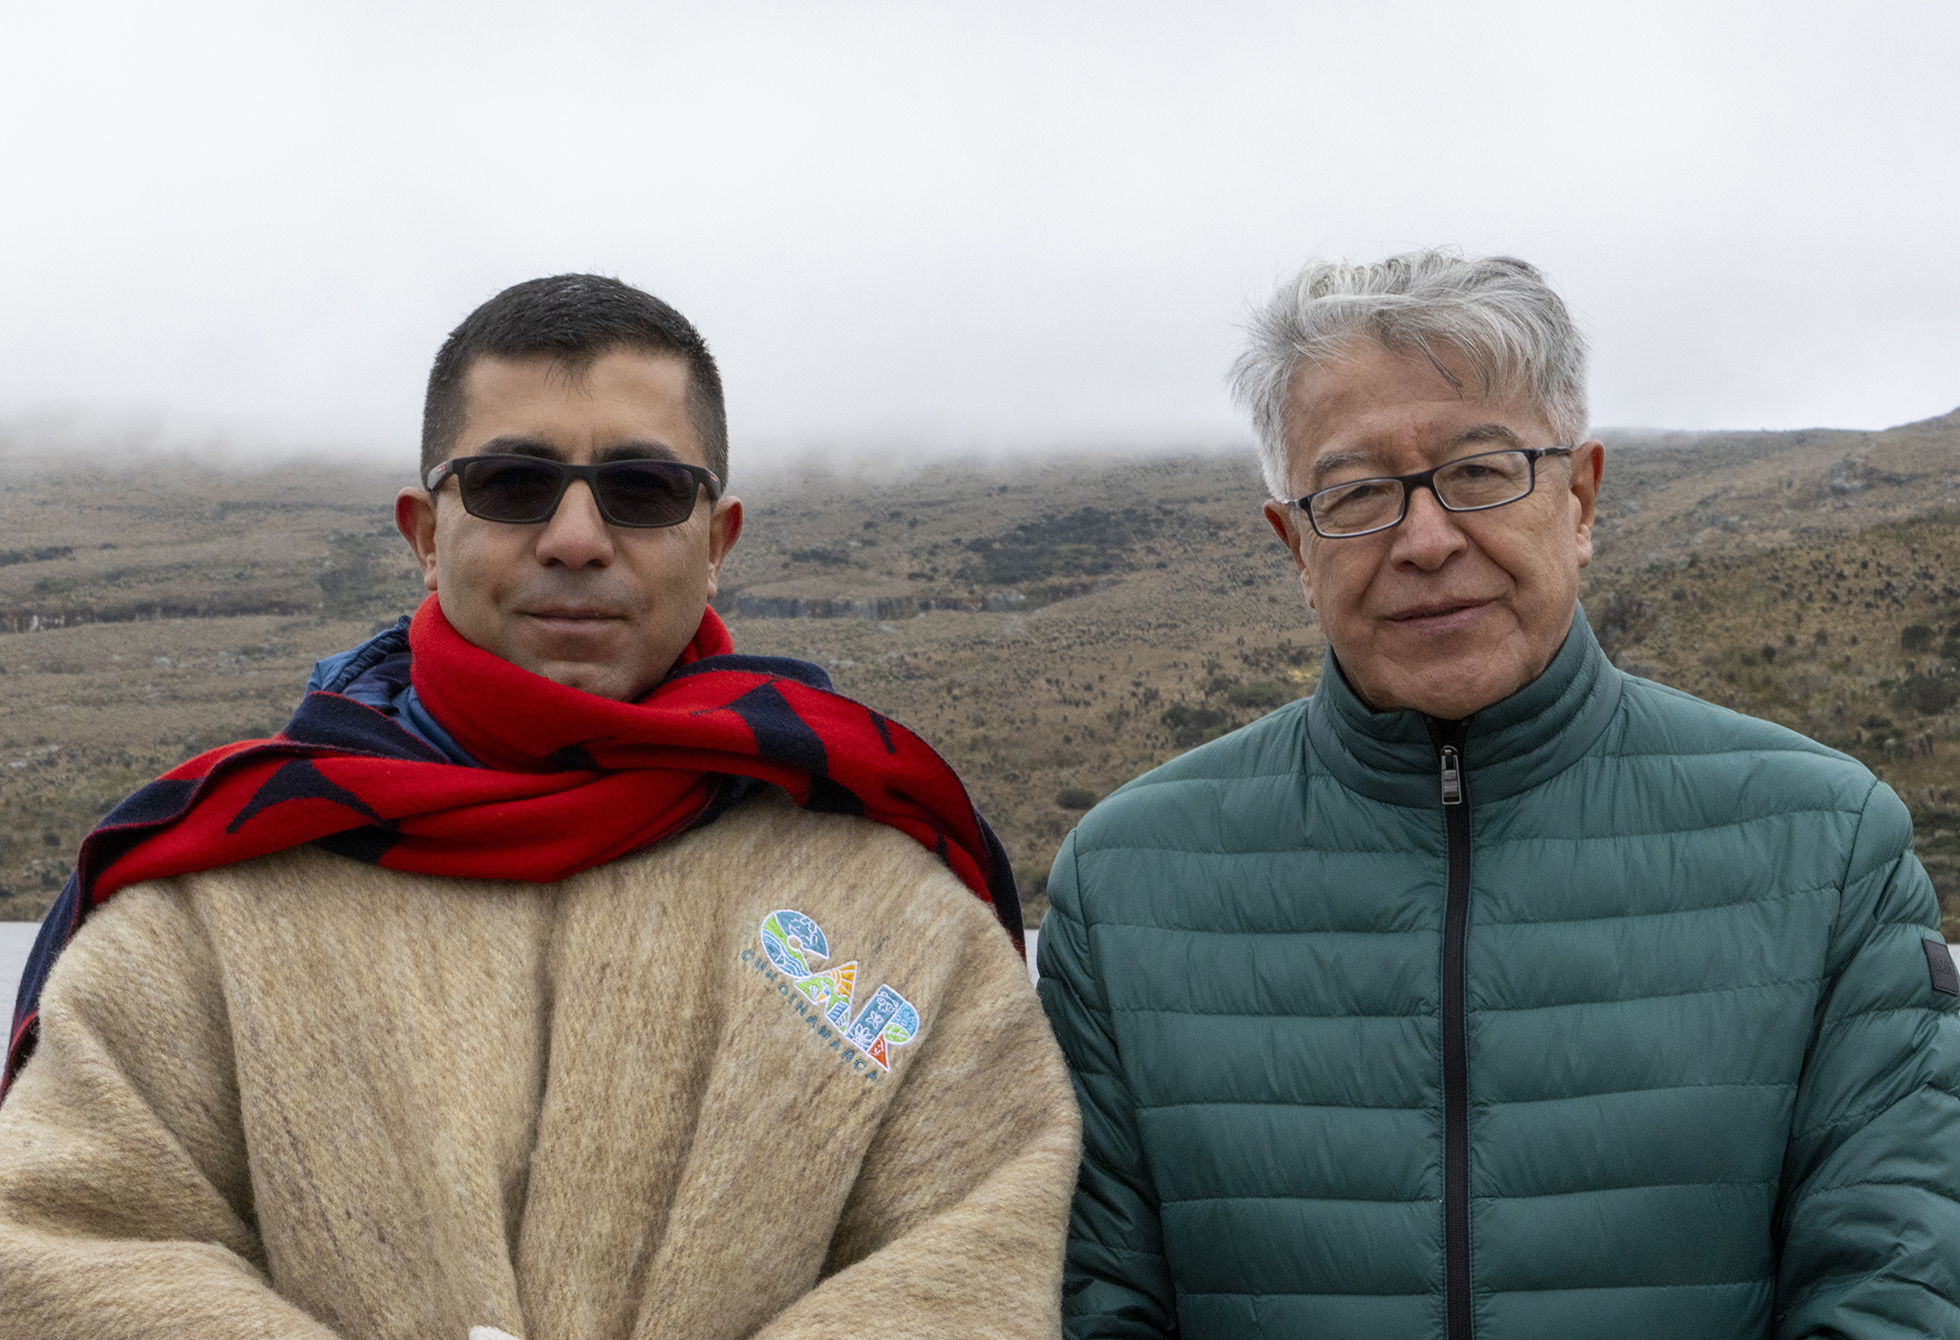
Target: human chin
x=1451, y=692
x=592, y=660
x=598, y=678
x=1445, y=677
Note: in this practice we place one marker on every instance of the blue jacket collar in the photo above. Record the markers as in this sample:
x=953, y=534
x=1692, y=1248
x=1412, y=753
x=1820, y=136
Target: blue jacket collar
x=375, y=674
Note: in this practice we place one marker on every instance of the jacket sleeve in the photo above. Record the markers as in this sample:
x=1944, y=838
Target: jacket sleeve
x=1870, y=1211
x=1116, y=1282
x=125, y=1195
x=956, y=1221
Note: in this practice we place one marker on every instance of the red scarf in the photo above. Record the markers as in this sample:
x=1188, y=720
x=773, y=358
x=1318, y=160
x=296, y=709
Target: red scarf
x=569, y=781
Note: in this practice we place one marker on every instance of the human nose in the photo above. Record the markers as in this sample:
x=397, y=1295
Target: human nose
x=576, y=535
x=1428, y=534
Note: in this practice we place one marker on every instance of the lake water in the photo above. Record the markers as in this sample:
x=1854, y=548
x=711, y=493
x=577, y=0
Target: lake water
x=16, y=938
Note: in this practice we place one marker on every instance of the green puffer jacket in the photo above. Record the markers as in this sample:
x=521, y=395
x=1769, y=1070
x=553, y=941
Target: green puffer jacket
x=1642, y=1038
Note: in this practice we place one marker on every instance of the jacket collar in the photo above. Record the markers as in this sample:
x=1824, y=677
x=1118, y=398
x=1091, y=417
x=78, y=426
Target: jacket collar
x=1509, y=747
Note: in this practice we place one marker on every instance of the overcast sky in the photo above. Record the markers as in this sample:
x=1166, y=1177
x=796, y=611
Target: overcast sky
x=958, y=226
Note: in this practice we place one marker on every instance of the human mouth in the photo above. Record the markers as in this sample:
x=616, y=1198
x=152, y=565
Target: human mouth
x=574, y=618
x=1439, y=616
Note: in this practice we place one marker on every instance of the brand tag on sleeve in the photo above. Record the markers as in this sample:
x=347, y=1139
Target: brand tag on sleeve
x=1940, y=961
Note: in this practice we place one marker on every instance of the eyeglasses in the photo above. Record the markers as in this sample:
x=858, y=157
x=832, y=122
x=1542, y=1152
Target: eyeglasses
x=526, y=490
x=1467, y=484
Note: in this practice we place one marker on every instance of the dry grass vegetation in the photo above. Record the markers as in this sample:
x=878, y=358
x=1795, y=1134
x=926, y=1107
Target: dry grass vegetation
x=1053, y=628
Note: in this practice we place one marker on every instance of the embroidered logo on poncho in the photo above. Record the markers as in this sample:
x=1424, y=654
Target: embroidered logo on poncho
x=797, y=946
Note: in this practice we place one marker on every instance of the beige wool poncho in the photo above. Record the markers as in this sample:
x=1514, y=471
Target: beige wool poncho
x=306, y=1098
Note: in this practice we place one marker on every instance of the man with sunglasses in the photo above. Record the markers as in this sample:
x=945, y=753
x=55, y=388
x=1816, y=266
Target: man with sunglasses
x=1492, y=991
x=557, y=973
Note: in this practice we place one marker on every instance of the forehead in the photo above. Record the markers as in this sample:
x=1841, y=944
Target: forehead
x=622, y=398
x=1373, y=406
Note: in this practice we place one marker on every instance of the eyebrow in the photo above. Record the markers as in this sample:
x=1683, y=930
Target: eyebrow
x=1487, y=432
x=1328, y=462
x=522, y=445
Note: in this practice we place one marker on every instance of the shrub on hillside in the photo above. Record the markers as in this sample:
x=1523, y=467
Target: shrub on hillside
x=1928, y=695
x=1088, y=542
x=1621, y=619
x=1260, y=696
x=1191, y=726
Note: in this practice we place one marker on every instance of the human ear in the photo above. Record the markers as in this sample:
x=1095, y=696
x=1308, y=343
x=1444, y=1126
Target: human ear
x=1588, y=463
x=415, y=518
x=1280, y=517
x=1285, y=523
x=724, y=528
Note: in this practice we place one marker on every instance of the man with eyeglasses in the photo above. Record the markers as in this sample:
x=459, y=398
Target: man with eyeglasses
x=1492, y=992
x=557, y=973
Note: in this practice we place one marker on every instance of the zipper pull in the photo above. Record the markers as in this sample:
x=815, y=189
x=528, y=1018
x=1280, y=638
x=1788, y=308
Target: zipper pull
x=1452, y=776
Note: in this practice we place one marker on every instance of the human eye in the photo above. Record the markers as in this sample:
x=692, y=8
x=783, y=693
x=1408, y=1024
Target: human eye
x=1480, y=481
x=511, y=485
x=650, y=480
x=1362, y=504
x=1489, y=464
x=1360, y=491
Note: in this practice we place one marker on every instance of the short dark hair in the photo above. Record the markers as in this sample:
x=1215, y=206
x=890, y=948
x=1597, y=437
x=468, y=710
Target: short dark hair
x=573, y=319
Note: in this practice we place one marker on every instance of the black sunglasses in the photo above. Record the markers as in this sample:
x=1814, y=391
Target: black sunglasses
x=526, y=490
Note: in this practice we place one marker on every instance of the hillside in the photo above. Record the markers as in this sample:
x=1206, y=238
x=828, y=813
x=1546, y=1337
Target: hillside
x=1055, y=627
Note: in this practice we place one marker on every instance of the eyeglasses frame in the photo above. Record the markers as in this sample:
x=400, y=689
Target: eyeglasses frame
x=1426, y=479
x=704, y=478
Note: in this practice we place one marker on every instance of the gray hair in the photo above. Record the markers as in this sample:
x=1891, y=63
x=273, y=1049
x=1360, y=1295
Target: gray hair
x=1497, y=310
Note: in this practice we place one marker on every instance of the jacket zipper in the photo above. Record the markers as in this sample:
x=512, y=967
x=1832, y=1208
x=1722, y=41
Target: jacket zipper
x=1456, y=1065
